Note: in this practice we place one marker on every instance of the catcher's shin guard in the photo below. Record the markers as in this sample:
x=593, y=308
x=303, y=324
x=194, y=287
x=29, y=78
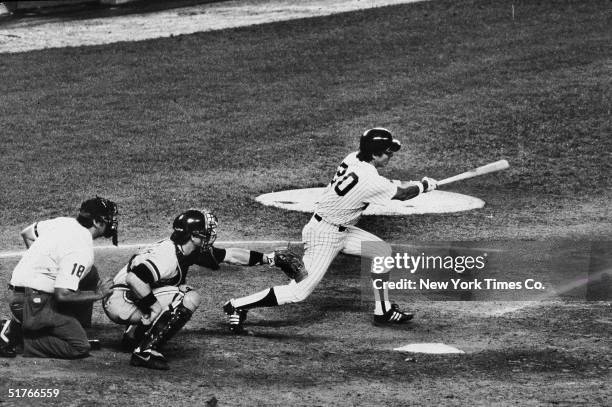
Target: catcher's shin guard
x=133, y=335
x=165, y=327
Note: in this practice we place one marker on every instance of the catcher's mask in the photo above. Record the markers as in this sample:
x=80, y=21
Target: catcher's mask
x=200, y=224
x=102, y=210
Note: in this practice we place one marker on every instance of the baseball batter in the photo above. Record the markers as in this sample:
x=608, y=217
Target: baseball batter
x=355, y=185
x=45, y=284
x=150, y=293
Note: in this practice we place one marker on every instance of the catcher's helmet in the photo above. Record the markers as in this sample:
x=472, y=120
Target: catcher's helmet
x=202, y=224
x=377, y=141
x=101, y=210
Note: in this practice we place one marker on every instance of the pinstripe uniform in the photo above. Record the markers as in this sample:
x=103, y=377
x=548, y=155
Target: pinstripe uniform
x=331, y=230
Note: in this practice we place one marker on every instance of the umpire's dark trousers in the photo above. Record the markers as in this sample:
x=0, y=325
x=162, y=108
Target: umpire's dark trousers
x=47, y=333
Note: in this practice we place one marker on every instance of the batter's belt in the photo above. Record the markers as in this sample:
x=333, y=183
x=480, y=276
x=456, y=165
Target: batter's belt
x=318, y=218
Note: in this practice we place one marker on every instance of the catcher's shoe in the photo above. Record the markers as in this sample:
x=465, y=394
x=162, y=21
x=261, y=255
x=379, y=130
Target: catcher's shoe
x=150, y=359
x=237, y=317
x=393, y=316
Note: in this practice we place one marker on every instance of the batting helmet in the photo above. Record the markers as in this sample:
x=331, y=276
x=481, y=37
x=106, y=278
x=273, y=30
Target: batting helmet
x=100, y=209
x=202, y=224
x=377, y=141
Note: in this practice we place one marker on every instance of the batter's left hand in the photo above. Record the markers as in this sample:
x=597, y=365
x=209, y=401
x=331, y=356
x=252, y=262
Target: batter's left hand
x=429, y=184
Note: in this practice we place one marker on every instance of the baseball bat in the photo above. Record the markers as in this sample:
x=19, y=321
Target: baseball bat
x=485, y=169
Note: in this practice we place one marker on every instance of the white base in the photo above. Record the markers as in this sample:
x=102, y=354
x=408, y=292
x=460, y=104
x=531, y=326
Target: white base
x=435, y=348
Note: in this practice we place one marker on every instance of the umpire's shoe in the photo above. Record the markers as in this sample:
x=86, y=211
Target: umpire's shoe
x=7, y=350
x=149, y=358
x=237, y=317
x=393, y=316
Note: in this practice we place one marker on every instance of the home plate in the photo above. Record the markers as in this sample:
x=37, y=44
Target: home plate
x=437, y=348
x=304, y=200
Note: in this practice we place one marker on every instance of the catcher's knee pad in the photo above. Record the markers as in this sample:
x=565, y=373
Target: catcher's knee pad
x=119, y=307
x=191, y=300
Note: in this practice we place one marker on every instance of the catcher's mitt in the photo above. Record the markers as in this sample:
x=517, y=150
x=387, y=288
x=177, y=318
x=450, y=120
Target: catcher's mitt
x=291, y=264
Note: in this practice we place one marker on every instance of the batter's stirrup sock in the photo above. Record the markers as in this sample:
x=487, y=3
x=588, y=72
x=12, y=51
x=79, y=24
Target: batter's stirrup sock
x=260, y=300
x=166, y=326
x=381, y=294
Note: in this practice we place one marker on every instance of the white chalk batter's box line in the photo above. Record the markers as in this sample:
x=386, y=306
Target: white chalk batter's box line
x=266, y=243
x=230, y=243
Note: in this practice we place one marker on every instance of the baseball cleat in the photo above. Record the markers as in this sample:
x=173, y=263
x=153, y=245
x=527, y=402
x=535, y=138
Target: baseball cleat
x=150, y=359
x=7, y=350
x=393, y=316
x=237, y=317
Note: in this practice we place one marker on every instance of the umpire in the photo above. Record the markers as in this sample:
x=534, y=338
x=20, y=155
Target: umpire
x=45, y=287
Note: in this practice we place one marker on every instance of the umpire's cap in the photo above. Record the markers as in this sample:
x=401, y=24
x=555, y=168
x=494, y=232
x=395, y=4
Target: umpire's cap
x=378, y=140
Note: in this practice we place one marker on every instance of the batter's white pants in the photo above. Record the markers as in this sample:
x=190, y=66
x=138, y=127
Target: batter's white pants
x=322, y=243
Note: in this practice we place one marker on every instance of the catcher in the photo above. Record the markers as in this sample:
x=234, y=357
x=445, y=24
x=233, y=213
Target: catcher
x=150, y=294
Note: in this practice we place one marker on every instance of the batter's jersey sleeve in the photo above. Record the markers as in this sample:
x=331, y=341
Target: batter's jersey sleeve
x=381, y=190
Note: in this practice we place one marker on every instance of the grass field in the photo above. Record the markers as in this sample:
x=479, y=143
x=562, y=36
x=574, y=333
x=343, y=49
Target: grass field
x=215, y=119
